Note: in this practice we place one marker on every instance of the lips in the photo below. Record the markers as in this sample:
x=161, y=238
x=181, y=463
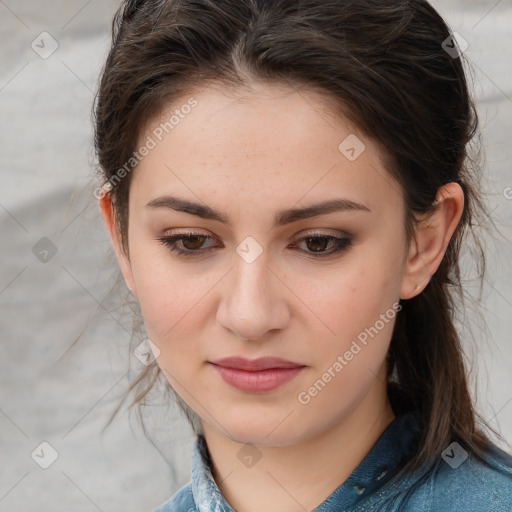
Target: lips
x=263, y=363
x=258, y=375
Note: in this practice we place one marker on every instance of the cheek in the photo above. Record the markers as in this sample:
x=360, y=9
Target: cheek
x=358, y=311
x=351, y=298
x=169, y=299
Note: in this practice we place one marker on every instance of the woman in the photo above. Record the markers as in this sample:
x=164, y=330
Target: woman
x=287, y=186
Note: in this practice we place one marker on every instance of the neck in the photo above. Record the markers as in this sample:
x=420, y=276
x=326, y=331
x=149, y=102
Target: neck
x=302, y=475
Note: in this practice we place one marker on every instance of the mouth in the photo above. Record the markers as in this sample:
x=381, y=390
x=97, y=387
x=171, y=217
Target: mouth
x=258, y=375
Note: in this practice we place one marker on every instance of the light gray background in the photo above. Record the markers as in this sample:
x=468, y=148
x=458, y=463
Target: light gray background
x=64, y=396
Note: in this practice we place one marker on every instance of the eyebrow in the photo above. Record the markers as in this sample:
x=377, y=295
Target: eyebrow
x=281, y=218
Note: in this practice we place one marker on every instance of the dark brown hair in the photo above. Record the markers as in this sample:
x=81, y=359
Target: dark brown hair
x=386, y=65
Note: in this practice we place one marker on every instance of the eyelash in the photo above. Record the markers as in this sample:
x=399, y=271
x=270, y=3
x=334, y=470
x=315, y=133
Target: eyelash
x=171, y=242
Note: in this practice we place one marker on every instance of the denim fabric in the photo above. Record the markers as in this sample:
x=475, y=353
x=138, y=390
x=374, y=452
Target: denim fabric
x=456, y=482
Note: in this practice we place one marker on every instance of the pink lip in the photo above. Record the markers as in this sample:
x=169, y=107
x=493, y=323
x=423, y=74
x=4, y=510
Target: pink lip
x=258, y=375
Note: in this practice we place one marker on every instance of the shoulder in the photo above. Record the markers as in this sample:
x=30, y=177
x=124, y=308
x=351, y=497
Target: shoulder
x=470, y=483
x=477, y=485
x=181, y=501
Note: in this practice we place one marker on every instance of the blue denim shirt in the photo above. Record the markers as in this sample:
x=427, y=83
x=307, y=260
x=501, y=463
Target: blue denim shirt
x=456, y=482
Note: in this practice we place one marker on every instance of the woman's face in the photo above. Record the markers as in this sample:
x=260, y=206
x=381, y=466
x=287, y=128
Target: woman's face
x=251, y=284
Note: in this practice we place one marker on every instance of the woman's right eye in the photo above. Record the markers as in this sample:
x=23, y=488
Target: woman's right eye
x=189, y=244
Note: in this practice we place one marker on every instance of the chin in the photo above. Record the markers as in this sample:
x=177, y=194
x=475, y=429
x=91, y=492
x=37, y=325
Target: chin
x=271, y=430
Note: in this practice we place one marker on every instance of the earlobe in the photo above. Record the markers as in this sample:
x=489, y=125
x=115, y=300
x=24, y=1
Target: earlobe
x=433, y=234
x=107, y=213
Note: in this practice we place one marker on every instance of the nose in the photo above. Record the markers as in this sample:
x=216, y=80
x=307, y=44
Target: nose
x=253, y=300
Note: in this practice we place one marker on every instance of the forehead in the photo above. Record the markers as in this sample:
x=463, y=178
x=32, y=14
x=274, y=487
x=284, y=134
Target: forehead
x=273, y=143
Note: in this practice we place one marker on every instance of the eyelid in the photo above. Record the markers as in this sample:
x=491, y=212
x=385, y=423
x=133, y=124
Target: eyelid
x=338, y=233
x=309, y=232
x=184, y=231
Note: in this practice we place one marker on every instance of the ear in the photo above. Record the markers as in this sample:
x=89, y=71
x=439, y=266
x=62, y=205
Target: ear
x=433, y=234
x=107, y=212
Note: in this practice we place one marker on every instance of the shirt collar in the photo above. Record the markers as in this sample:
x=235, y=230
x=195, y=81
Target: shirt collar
x=376, y=469
x=207, y=496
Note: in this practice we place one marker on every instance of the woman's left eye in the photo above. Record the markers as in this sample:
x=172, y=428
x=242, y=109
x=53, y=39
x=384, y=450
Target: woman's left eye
x=191, y=244
x=318, y=242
